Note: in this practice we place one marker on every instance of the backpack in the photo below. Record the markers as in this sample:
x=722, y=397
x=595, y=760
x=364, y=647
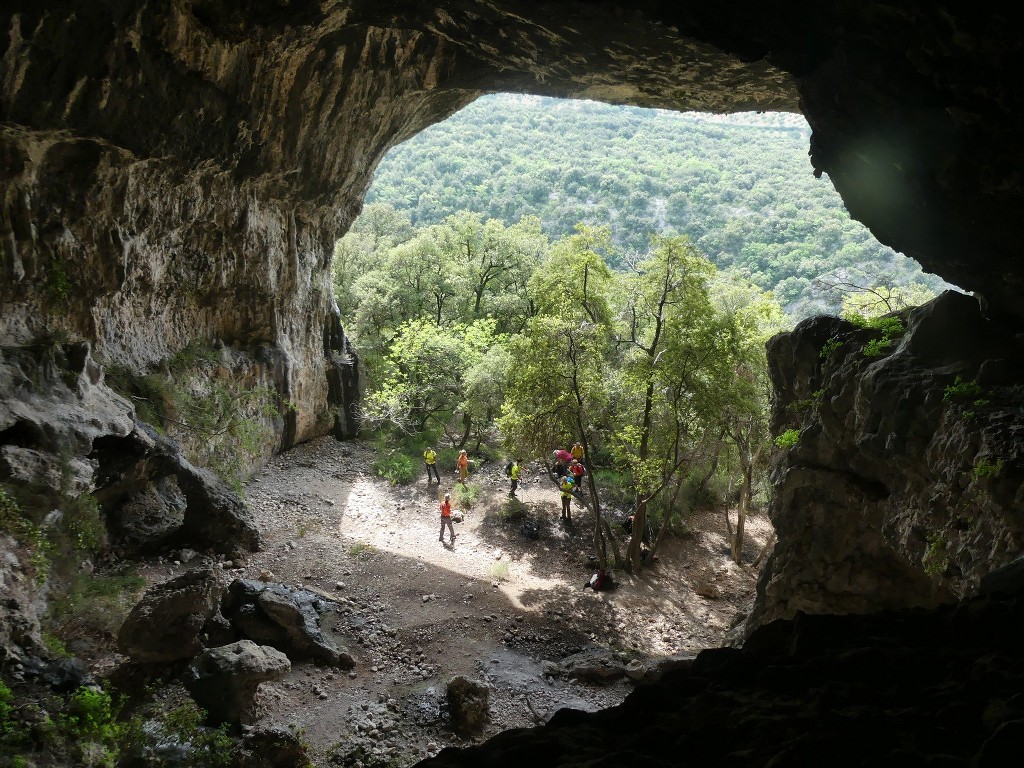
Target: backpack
x=508, y=469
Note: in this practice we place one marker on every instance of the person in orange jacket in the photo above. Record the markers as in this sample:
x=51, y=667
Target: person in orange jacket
x=446, y=517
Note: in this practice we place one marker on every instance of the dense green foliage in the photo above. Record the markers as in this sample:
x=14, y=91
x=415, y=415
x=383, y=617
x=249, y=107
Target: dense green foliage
x=476, y=333
x=740, y=186
x=90, y=727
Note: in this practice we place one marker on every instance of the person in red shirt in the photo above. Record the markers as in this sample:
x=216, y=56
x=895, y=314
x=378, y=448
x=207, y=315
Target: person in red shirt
x=446, y=517
x=577, y=471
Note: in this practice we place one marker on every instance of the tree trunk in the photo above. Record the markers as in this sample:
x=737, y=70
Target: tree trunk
x=741, y=514
x=764, y=550
x=467, y=427
x=634, y=559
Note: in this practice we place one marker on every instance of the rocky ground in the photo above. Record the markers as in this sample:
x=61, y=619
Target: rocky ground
x=494, y=606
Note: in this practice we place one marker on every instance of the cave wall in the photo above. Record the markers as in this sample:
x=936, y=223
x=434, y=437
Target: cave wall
x=174, y=171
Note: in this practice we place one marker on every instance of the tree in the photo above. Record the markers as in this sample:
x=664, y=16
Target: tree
x=423, y=376
x=557, y=384
x=664, y=339
x=747, y=318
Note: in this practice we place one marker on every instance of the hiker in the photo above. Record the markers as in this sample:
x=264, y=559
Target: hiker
x=600, y=581
x=446, y=517
x=562, y=459
x=463, y=465
x=430, y=459
x=577, y=471
x=566, y=487
x=577, y=451
x=514, y=474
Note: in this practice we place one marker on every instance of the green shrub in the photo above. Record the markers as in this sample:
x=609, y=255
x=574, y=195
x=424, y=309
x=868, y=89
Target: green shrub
x=396, y=467
x=890, y=327
x=89, y=729
x=222, y=424
x=361, y=549
x=961, y=390
x=788, y=439
x=498, y=572
x=829, y=347
x=206, y=746
x=93, y=603
x=984, y=468
x=511, y=510
x=465, y=496
x=12, y=731
x=14, y=522
x=935, y=560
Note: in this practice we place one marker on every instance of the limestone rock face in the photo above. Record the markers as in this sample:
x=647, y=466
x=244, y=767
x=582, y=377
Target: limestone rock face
x=906, y=485
x=180, y=171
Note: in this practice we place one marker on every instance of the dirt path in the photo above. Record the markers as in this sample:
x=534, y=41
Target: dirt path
x=494, y=606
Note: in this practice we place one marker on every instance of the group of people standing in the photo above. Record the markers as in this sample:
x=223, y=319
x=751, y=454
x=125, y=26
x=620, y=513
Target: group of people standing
x=569, y=471
x=461, y=464
x=445, y=505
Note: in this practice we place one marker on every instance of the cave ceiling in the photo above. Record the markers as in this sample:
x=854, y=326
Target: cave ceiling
x=916, y=116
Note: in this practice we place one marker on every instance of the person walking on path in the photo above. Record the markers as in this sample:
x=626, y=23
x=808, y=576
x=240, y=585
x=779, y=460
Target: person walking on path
x=446, y=517
x=562, y=459
x=430, y=459
x=577, y=471
x=463, y=465
x=514, y=474
x=577, y=451
x=566, y=488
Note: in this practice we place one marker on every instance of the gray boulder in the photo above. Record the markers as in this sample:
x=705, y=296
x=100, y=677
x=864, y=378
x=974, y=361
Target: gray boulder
x=284, y=618
x=167, y=624
x=468, y=705
x=224, y=680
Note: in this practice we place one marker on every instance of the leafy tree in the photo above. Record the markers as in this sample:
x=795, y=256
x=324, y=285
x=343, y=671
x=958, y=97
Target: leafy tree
x=557, y=386
x=423, y=376
x=747, y=317
x=664, y=320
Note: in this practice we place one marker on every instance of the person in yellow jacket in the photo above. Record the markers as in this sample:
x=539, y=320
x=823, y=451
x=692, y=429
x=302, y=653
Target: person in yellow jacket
x=514, y=474
x=430, y=459
x=577, y=451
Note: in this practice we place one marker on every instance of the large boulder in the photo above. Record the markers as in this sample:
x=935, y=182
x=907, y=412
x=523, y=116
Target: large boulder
x=284, y=618
x=468, y=705
x=167, y=623
x=224, y=680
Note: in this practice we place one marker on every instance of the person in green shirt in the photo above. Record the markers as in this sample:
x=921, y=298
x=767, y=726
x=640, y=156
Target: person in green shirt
x=514, y=474
x=566, y=487
x=430, y=459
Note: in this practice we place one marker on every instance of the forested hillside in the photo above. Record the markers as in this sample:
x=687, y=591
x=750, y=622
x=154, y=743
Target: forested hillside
x=740, y=186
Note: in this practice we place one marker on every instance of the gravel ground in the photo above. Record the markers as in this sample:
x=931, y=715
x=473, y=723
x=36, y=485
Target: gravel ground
x=494, y=606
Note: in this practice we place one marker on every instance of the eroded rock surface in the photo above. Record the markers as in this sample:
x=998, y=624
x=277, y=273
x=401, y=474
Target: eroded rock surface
x=906, y=485
x=166, y=625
